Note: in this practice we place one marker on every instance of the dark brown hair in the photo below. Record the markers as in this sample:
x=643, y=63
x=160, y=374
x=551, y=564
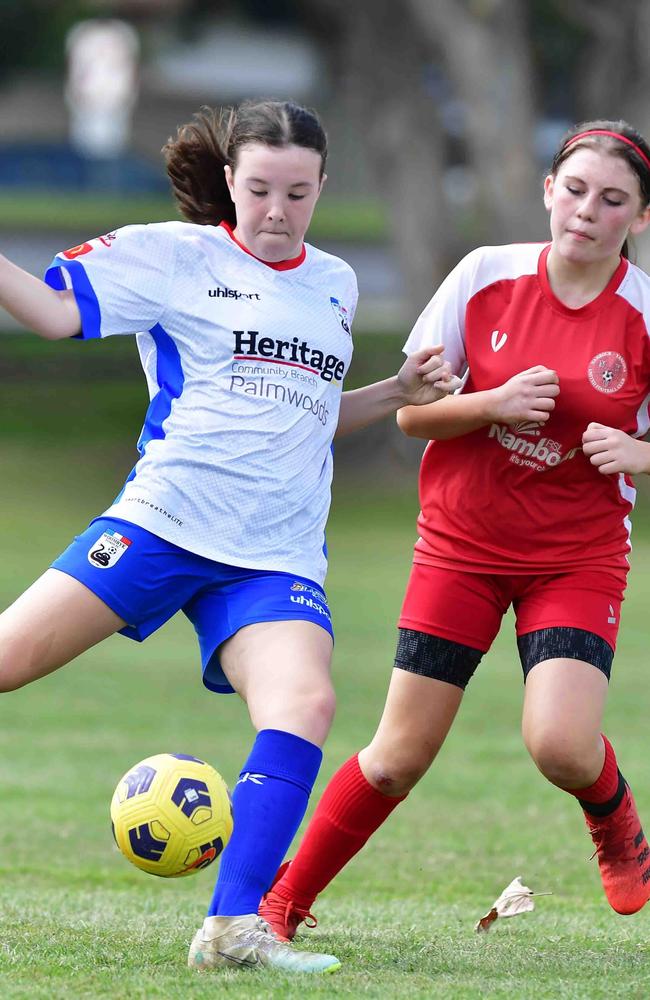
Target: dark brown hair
x=196, y=157
x=613, y=145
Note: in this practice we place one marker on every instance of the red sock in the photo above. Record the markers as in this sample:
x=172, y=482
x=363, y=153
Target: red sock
x=608, y=789
x=349, y=811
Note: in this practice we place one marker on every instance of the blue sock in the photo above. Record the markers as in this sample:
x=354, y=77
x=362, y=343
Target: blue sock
x=269, y=802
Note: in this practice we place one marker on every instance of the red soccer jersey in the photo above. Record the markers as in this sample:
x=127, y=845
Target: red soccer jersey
x=523, y=498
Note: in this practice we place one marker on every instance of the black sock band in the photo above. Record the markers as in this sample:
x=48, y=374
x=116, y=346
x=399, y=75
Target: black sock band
x=605, y=808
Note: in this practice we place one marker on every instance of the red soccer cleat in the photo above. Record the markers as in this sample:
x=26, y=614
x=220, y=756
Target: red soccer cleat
x=623, y=855
x=282, y=914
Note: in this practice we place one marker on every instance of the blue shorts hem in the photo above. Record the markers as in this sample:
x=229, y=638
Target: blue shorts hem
x=209, y=666
x=111, y=603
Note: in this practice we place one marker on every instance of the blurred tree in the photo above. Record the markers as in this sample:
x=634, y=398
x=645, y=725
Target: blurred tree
x=485, y=48
x=33, y=34
x=448, y=98
x=378, y=64
x=613, y=66
x=427, y=83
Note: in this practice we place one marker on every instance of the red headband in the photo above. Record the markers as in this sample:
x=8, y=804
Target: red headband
x=613, y=135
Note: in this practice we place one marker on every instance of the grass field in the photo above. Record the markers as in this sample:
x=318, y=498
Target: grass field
x=80, y=922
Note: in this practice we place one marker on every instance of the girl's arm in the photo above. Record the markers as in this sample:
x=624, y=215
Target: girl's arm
x=423, y=378
x=52, y=315
x=529, y=395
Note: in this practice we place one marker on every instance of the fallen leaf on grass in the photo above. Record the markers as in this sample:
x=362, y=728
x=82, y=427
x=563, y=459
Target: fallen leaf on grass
x=515, y=898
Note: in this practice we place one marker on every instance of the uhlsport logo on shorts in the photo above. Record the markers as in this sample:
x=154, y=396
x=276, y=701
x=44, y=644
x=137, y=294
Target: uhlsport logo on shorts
x=108, y=548
x=607, y=372
x=301, y=597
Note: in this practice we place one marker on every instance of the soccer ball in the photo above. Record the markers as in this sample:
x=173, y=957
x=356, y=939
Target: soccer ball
x=171, y=814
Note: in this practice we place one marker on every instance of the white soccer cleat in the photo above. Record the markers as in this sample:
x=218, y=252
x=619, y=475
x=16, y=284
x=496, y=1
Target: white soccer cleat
x=248, y=942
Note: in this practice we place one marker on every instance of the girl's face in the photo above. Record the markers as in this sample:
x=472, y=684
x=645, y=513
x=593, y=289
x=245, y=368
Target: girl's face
x=595, y=202
x=275, y=191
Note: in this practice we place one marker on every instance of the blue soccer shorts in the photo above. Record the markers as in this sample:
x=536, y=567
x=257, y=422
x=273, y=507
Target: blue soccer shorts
x=146, y=580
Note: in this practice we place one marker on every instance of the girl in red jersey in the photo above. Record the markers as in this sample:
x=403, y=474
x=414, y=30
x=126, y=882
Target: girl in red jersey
x=525, y=497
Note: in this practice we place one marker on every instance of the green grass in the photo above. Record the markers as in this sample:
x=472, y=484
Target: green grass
x=80, y=922
x=334, y=219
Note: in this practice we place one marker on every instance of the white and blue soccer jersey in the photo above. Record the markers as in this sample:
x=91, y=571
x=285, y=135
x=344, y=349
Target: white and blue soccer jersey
x=244, y=362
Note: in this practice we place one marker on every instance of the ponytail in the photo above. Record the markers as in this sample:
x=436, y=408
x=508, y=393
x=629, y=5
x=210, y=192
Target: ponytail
x=195, y=160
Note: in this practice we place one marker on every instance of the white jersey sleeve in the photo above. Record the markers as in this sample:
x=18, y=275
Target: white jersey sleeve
x=121, y=281
x=443, y=319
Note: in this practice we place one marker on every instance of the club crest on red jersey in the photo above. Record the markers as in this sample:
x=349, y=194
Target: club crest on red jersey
x=607, y=372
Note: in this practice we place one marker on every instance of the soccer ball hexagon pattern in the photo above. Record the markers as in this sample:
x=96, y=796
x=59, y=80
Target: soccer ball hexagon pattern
x=171, y=814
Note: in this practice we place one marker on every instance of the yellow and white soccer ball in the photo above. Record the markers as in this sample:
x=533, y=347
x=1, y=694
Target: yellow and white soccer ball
x=171, y=814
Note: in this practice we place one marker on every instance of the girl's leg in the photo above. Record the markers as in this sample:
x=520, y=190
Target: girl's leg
x=563, y=709
x=361, y=795
x=448, y=621
x=54, y=621
x=562, y=717
x=282, y=671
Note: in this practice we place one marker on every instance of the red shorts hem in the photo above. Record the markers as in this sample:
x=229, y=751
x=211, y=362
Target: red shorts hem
x=441, y=632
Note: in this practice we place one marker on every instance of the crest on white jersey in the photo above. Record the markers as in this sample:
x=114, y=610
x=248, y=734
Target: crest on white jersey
x=497, y=340
x=108, y=548
x=341, y=314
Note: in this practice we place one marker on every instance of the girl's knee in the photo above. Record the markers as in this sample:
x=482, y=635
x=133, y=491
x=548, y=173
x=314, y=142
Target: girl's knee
x=10, y=678
x=394, y=773
x=308, y=714
x=322, y=706
x=565, y=763
x=10, y=673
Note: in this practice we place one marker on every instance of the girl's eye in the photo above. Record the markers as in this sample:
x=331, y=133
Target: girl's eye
x=296, y=197
x=258, y=194
x=610, y=201
x=572, y=190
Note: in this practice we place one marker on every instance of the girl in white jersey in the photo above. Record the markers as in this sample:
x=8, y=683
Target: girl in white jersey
x=525, y=496
x=244, y=335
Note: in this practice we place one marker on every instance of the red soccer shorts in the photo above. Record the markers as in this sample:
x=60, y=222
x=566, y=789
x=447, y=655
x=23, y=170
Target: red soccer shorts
x=468, y=607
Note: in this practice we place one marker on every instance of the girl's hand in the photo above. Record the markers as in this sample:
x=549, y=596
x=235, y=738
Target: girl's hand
x=425, y=377
x=529, y=395
x=612, y=451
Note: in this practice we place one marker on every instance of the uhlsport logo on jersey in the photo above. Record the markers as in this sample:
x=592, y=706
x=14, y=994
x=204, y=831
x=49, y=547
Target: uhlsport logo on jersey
x=341, y=314
x=231, y=293
x=109, y=547
x=607, y=372
x=540, y=454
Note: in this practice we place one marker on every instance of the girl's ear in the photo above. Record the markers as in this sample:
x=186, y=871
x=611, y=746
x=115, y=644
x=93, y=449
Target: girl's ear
x=549, y=184
x=641, y=222
x=230, y=180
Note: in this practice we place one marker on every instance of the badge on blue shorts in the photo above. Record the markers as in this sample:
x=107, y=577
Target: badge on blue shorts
x=109, y=547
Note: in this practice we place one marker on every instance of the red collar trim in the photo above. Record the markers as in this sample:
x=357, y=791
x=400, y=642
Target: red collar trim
x=280, y=265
